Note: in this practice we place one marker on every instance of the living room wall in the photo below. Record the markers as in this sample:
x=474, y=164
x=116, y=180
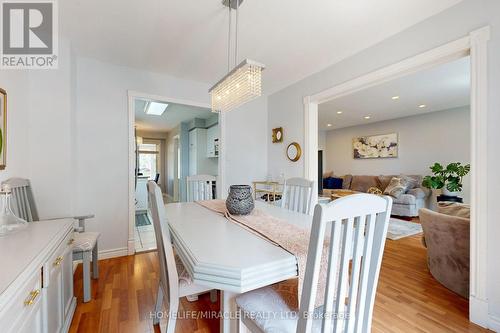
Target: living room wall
x=286, y=109
x=442, y=136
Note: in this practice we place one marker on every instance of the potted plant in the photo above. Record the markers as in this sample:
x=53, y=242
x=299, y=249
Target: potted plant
x=448, y=178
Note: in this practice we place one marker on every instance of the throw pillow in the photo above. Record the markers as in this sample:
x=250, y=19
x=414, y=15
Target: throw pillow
x=384, y=181
x=332, y=183
x=337, y=183
x=454, y=209
x=397, y=186
x=346, y=182
x=413, y=181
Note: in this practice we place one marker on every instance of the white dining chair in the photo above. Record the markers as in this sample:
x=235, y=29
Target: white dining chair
x=297, y=195
x=84, y=243
x=200, y=187
x=358, y=225
x=175, y=281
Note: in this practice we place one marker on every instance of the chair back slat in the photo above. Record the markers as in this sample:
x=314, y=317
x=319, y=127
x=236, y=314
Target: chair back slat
x=22, y=202
x=332, y=276
x=297, y=195
x=169, y=278
x=345, y=256
x=358, y=229
x=200, y=187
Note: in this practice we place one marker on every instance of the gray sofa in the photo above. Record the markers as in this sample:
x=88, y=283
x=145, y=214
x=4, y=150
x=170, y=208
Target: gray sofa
x=407, y=204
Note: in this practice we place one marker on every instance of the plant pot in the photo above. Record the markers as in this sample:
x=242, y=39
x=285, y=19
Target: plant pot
x=433, y=199
x=449, y=193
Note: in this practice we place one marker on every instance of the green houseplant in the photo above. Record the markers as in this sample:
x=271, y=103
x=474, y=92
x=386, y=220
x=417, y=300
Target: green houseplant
x=448, y=178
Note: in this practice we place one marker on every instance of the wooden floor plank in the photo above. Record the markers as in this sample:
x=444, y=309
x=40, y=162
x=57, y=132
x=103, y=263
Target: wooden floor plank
x=408, y=299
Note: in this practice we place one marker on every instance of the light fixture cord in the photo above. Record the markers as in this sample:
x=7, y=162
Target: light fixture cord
x=236, y=37
x=229, y=40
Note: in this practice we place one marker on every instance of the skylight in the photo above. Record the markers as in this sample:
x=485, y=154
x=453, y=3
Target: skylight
x=156, y=108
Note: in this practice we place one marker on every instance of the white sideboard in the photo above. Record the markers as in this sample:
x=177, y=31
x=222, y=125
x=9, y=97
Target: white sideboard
x=36, y=280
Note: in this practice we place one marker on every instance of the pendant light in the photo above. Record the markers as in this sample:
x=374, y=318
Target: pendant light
x=241, y=84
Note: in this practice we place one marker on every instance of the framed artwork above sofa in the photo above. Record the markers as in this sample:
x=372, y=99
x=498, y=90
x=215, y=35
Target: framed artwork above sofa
x=375, y=146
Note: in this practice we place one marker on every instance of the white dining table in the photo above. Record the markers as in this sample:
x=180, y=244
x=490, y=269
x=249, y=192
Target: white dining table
x=222, y=255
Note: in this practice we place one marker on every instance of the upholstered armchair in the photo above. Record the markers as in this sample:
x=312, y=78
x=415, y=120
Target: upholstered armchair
x=447, y=240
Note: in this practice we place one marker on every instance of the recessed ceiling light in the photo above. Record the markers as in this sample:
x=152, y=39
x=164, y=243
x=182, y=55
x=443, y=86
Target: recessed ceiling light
x=329, y=125
x=395, y=97
x=340, y=112
x=367, y=117
x=422, y=106
x=156, y=108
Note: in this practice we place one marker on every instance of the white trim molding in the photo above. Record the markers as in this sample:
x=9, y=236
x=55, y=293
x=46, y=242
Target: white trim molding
x=131, y=95
x=476, y=45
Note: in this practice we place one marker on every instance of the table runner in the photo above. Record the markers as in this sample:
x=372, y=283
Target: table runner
x=285, y=235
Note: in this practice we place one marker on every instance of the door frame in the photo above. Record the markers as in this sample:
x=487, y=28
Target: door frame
x=474, y=44
x=131, y=95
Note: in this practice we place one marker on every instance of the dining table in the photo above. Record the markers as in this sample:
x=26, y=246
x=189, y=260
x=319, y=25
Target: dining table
x=223, y=255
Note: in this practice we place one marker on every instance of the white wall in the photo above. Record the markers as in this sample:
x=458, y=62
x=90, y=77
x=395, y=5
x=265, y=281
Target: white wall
x=286, y=106
x=442, y=136
x=171, y=160
x=39, y=145
x=246, y=138
x=102, y=140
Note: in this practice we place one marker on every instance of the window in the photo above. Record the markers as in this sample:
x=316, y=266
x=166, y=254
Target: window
x=149, y=160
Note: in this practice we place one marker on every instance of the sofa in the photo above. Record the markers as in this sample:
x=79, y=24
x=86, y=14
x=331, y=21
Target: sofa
x=407, y=204
x=447, y=238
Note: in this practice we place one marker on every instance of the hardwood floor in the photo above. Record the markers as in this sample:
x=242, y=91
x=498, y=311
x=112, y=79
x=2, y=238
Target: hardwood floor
x=408, y=297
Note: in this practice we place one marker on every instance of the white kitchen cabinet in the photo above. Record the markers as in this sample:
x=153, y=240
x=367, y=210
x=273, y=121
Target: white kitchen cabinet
x=36, y=284
x=197, y=151
x=213, y=141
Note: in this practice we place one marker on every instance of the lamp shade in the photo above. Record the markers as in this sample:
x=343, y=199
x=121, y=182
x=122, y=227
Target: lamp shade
x=239, y=86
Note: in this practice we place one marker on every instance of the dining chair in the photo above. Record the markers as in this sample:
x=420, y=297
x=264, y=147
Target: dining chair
x=175, y=281
x=297, y=195
x=353, y=227
x=200, y=187
x=85, y=244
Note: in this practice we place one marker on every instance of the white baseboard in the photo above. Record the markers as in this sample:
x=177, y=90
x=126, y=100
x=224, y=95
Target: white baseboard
x=131, y=247
x=105, y=254
x=113, y=253
x=478, y=311
x=494, y=323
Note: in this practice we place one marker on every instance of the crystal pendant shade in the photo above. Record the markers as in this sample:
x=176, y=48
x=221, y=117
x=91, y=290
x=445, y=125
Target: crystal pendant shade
x=239, y=86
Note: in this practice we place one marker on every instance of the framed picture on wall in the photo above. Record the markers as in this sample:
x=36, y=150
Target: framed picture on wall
x=376, y=146
x=3, y=129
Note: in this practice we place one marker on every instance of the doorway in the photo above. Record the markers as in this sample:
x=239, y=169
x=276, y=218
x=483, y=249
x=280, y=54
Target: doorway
x=159, y=150
x=475, y=45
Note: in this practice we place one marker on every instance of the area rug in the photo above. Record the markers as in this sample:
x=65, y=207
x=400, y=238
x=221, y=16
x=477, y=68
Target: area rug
x=142, y=219
x=400, y=229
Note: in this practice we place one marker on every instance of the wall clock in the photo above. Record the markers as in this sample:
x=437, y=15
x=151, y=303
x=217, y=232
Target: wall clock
x=293, y=152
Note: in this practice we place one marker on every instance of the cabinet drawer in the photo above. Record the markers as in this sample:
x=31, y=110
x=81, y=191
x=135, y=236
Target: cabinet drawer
x=56, y=259
x=27, y=298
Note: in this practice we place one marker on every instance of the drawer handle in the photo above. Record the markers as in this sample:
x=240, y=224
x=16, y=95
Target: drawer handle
x=71, y=241
x=58, y=261
x=33, y=295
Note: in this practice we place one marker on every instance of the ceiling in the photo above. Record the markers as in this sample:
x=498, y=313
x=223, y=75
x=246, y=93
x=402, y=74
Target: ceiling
x=443, y=87
x=188, y=39
x=173, y=116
